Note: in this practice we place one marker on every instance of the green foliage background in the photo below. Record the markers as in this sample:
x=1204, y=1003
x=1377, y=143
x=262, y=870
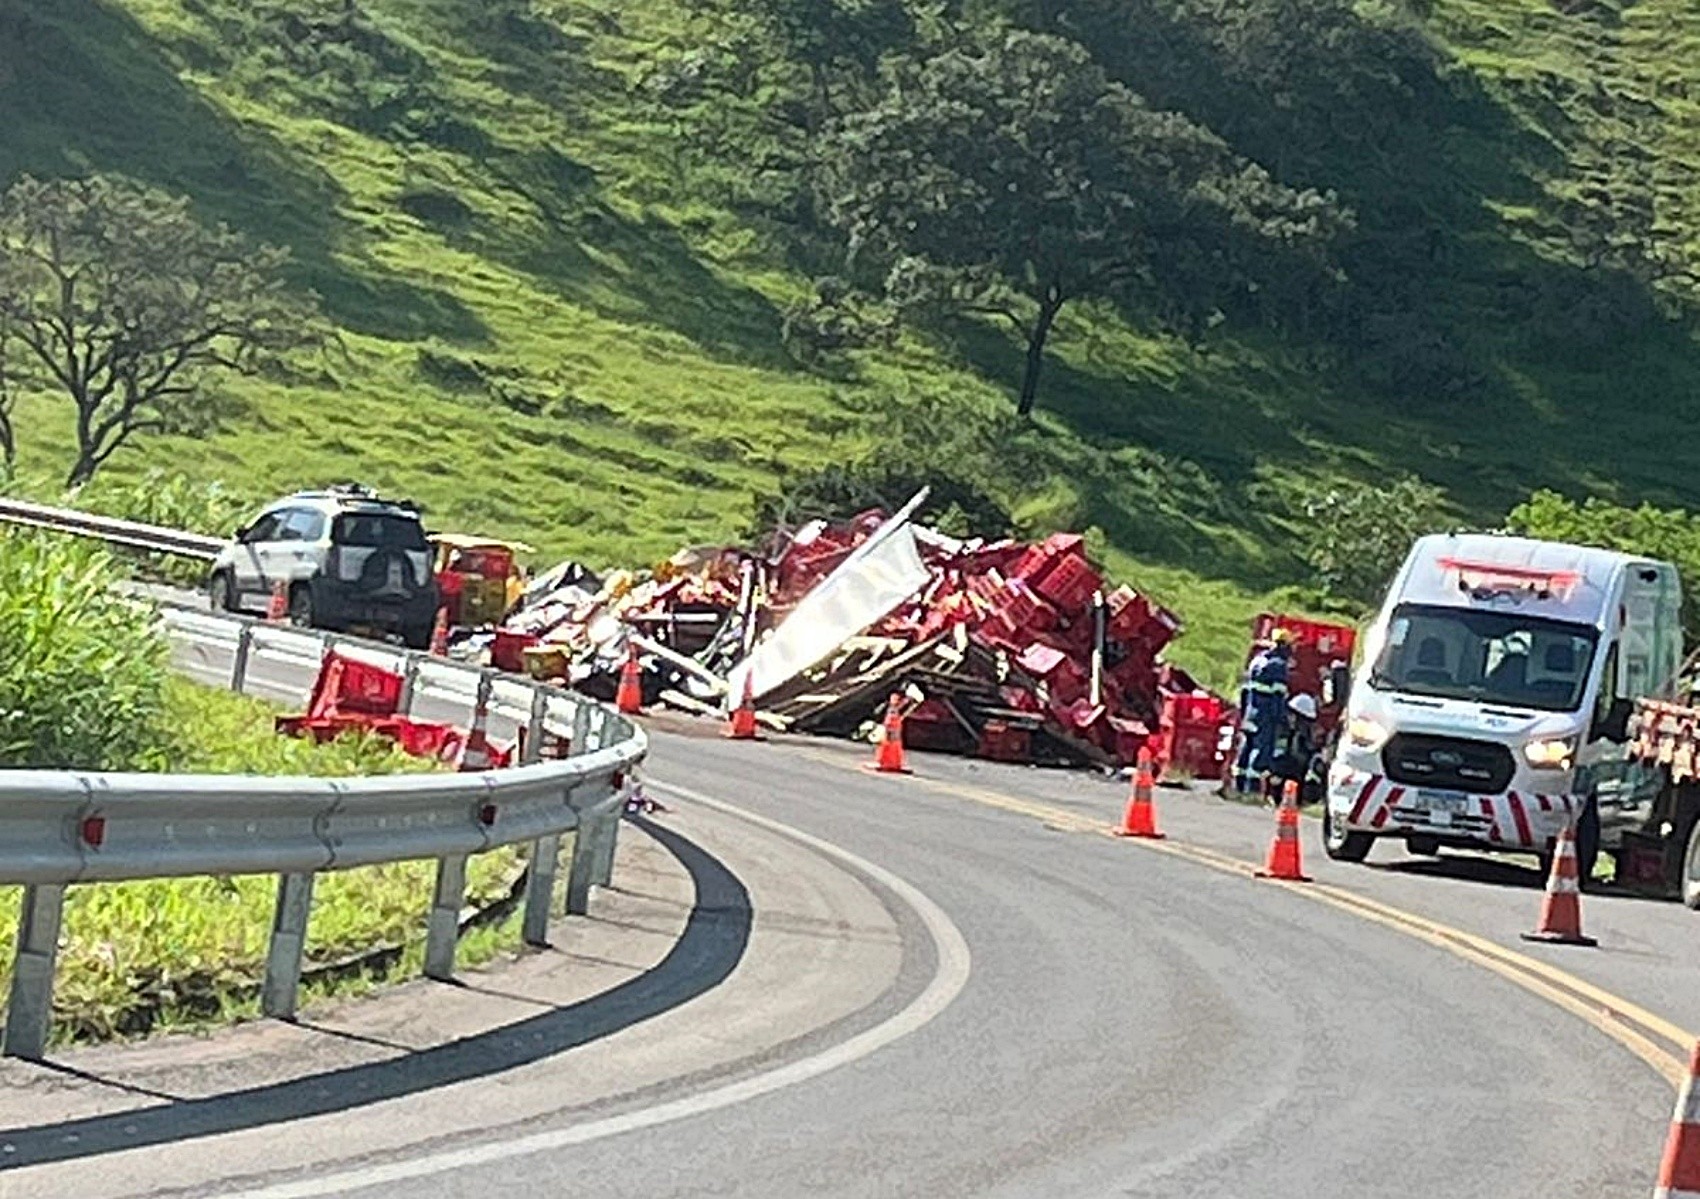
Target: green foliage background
x=564, y=245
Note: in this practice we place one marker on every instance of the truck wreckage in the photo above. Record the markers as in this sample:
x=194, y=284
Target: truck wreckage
x=1017, y=651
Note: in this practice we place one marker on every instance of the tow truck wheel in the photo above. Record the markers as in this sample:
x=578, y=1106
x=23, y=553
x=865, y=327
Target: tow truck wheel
x=1587, y=844
x=1691, y=869
x=1341, y=845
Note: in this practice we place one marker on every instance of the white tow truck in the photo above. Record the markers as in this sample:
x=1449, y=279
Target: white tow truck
x=1492, y=704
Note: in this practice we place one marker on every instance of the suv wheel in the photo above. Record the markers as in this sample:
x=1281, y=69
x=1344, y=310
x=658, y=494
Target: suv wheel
x=301, y=606
x=220, y=595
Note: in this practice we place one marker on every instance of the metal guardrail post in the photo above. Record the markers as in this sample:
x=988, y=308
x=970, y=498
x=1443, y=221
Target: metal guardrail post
x=609, y=841
x=239, y=664
x=29, y=1012
x=442, y=931
x=582, y=866
x=581, y=729
x=409, y=684
x=280, y=992
x=540, y=889
x=534, y=732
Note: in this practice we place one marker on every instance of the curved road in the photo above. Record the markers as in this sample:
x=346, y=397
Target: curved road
x=1133, y=1025
x=1130, y=1024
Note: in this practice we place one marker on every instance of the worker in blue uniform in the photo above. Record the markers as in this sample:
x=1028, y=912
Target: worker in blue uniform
x=1263, y=710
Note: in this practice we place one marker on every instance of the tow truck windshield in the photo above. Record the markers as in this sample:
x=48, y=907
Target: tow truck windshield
x=1501, y=658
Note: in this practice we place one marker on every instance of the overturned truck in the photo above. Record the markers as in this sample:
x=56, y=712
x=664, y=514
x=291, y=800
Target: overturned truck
x=1015, y=651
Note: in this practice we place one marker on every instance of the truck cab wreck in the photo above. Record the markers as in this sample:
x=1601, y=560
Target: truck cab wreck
x=1492, y=704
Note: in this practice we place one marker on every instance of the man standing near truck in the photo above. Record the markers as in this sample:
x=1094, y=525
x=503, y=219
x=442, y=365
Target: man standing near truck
x=1263, y=709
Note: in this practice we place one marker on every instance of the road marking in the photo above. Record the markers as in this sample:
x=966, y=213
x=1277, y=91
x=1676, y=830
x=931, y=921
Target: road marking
x=947, y=982
x=1634, y=1027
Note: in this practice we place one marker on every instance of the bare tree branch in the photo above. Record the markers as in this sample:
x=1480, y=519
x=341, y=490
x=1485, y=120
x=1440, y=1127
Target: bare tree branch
x=131, y=307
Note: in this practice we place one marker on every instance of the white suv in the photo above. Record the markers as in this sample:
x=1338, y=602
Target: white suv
x=345, y=558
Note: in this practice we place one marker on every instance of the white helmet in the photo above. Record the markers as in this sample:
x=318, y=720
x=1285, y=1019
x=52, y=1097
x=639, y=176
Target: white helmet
x=1304, y=705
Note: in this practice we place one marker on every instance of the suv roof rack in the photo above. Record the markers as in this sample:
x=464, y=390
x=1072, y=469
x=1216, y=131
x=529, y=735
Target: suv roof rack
x=358, y=492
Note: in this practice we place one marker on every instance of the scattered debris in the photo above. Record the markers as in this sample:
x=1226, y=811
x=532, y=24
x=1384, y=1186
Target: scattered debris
x=1018, y=650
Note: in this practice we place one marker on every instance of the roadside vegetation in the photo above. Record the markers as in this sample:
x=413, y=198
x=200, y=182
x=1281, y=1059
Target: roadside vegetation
x=85, y=684
x=608, y=276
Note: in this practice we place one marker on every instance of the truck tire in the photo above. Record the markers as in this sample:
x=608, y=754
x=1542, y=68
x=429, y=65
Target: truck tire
x=1341, y=845
x=1587, y=844
x=1690, y=880
x=1423, y=845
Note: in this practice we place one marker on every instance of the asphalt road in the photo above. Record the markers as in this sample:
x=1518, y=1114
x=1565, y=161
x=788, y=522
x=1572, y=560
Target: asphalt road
x=1130, y=1024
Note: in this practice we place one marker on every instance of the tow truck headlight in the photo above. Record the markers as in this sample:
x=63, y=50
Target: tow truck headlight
x=1550, y=755
x=1366, y=734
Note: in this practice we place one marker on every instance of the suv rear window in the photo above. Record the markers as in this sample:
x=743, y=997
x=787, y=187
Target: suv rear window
x=375, y=530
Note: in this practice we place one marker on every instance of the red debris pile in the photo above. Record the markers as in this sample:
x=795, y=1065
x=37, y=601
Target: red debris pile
x=1020, y=651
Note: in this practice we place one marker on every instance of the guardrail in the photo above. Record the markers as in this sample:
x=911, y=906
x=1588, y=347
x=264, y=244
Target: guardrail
x=128, y=533
x=59, y=829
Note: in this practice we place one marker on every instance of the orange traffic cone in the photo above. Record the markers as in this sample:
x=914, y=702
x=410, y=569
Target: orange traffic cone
x=1561, y=910
x=743, y=723
x=440, y=634
x=476, y=752
x=1284, y=850
x=1140, y=818
x=277, y=608
x=888, y=752
x=1679, y=1171
x=629, y=698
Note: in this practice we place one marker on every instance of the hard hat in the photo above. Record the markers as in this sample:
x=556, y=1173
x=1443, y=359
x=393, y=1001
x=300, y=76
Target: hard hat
x=1282, y=637
x=1304, y=705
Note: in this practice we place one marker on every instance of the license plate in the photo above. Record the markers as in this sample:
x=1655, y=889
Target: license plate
x=1447, y=803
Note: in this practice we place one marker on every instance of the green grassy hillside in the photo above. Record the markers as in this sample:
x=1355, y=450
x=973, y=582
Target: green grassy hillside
x=562, y=317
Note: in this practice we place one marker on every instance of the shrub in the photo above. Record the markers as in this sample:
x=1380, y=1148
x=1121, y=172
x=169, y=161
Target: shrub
x=1672, y=534
x=82, y=669
x=172, y=501
x=1355, y=535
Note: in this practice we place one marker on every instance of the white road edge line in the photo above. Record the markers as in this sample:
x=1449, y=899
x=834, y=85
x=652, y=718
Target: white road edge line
x=947, y=982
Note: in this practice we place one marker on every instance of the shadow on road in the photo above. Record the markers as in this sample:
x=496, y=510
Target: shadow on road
x=1498, y=872
x=1491, y=871
x=713, y=942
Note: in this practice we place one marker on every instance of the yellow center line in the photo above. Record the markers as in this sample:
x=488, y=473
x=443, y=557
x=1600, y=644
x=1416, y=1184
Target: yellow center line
x=1632, y=1026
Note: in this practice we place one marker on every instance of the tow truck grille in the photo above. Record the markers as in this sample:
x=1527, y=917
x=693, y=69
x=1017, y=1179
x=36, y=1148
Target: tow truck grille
x=1448, y=763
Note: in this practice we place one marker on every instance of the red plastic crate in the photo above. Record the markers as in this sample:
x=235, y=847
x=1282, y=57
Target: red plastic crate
x=1003, y=742
x=1028, y=614
x=1193, y=748
x=349, y=686
x=1069, y=583
x=1183, y=710
x=507, y=651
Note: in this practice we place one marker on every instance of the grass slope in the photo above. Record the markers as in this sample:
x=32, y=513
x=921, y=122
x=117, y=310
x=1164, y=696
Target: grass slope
x=559, y=324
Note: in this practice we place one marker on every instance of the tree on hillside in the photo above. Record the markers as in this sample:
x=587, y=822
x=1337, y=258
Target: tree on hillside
x=1013, y=177
x=8, y=397
x=836, y=38
x=1354, y=535
x=116, y=296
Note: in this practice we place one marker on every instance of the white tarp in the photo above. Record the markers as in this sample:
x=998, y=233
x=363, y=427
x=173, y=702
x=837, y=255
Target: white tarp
x=884, y=571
